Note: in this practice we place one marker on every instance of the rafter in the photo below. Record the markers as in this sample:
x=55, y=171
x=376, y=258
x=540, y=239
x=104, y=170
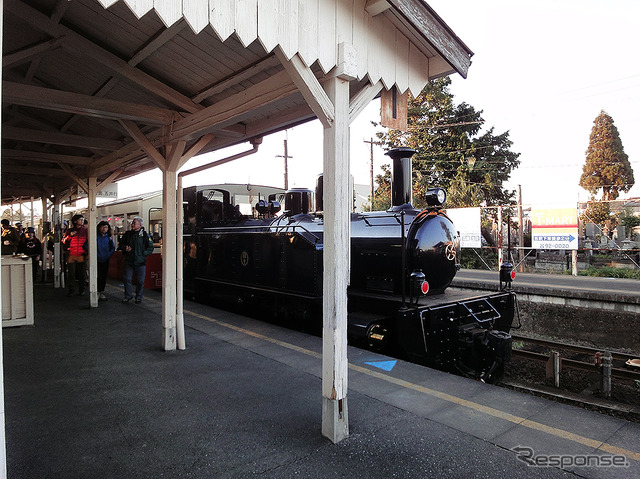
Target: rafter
x=55, y=138
x=68, y=102
x=29, y=53
x=23, y=155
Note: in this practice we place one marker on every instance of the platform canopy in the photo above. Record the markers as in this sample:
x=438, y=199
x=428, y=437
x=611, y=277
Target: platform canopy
x=89, y=86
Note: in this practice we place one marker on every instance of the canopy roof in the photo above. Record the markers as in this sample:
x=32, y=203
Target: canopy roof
x=87, y=84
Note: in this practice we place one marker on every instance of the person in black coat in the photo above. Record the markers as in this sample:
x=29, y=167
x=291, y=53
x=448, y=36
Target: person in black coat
x=32, y=247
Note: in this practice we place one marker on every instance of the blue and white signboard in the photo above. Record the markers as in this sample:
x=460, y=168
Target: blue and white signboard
x=467, y=222
x=555, y=228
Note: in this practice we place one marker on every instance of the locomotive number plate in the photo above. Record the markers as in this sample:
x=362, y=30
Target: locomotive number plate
x=244, y=258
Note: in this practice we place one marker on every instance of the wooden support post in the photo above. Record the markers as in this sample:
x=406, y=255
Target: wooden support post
x=93, y=247
x=335, y=425
x=180, y=270
x=169, y=215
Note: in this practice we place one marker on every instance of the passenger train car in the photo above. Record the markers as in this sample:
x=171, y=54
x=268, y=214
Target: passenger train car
x=402, y=262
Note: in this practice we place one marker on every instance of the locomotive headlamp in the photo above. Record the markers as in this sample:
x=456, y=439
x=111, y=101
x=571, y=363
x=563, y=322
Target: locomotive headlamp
x=436, y=196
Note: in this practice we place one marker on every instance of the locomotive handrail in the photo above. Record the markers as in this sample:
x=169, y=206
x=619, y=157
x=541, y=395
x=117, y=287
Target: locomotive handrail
x=473, y=314
x=392, y=215
x=317, y=239
x=255, y=229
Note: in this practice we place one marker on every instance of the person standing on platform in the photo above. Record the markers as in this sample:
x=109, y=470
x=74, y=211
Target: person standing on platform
x=75, y=242
x=136, y=245
x=106, y=247
x=32, y=247
x=10, y=238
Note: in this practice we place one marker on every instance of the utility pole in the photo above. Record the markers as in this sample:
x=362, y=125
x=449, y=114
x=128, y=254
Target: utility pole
x=521, y=254
x=286, y=169
x=371, y=143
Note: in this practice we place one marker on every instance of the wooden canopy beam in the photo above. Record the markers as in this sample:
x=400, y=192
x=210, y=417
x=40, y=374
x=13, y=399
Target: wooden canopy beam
x=66, y=139
x=87, y=105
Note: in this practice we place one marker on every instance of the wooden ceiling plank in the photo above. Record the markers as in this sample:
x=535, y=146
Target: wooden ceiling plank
x=149, y=48
x=85, y=47
x=57, y=100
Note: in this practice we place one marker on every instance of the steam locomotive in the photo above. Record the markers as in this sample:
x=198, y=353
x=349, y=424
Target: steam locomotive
x=402, y=261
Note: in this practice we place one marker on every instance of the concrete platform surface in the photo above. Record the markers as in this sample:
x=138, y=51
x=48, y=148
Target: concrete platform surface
x=90, y=394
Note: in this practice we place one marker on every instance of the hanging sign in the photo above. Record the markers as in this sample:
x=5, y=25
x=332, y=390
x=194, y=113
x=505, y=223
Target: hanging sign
x=555, y=228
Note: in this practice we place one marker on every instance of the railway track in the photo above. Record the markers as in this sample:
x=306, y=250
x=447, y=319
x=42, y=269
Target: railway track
x=591, y=359
x=564, y=363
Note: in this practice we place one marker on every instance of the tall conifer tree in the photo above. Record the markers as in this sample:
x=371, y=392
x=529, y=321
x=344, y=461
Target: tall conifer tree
x=607, y=166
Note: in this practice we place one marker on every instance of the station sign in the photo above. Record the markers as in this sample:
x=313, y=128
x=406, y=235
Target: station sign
x=555, y=228
x=467, y=221
x=110, y=191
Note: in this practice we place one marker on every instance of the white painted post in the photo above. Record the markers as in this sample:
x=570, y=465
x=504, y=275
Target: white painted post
x=335, y=425
x=574, y=262
x=3, y=442
x=93, y=247
x=180, y=271
x=169, y=260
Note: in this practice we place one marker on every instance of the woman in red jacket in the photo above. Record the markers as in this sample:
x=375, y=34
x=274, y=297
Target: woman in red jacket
x=75, y=242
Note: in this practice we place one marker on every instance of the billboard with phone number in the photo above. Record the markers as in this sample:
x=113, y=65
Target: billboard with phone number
x=554, y=228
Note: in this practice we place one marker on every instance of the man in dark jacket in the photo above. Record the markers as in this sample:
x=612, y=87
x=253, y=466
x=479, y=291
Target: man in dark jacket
x=10, y=238
x=135, y=245
x=32, y=247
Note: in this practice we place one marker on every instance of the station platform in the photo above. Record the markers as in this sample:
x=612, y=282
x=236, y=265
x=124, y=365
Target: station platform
x=90, y=394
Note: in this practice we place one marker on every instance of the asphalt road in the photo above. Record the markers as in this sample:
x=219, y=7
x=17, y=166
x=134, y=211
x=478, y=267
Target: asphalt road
x=628, y=287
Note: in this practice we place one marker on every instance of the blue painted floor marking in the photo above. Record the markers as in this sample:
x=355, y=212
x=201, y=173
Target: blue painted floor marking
x=384, y=365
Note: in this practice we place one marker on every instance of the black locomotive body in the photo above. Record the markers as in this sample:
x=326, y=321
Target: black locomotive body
x=402, y=261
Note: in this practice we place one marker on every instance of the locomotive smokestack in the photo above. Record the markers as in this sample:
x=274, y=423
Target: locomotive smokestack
x=401, y=176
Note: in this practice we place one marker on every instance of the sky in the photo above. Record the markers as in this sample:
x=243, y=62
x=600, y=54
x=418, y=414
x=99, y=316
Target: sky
x=541, y=70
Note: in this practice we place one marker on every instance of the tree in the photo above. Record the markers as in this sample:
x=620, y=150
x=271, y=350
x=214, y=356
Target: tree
x=597, y=212
x=607, y=166
x=452, y=151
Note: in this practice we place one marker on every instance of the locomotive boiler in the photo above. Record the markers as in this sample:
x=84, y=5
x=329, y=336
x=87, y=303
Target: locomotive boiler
x=401, y=262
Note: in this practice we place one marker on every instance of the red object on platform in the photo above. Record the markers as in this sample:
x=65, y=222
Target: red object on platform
x=153, y=275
